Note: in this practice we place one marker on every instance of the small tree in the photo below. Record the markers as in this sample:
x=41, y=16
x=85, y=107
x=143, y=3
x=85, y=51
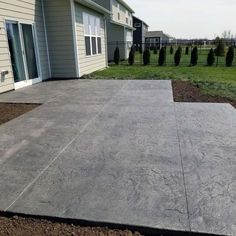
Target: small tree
x=230, y=56
x=211, y=57
x=117, y=56
x=162, y=56
x=131, y=56
x=171, y=50
x=146, y=56
x=187, y=50
x=155, y=50
x=194, y=56
x=141, y=48
x=220, y=49
x=177, y=56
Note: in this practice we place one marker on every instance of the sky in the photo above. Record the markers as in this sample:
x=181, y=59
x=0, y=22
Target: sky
x=187, y=18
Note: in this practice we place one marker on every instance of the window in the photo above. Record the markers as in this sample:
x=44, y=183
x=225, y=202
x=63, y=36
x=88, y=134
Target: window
x=118, y=7
x=137, y=25
x=92, y=34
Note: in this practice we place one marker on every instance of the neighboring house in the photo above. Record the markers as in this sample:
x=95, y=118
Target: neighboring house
x=141, y=28
x=119, y=27
x=157, y=39
x=41, y=39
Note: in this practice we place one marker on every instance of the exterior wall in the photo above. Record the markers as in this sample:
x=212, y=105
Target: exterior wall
x=28, y=11
x=89, y=64
x=60, y=38
x=138, y=33
x=115, y=35
x=123, y=14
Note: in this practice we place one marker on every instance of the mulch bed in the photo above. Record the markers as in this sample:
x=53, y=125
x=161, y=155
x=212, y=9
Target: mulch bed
x=18, y=226
x=9, y=111
x=184, y=91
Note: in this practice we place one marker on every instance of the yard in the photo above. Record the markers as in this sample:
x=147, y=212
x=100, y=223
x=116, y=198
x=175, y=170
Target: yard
x=219, y=81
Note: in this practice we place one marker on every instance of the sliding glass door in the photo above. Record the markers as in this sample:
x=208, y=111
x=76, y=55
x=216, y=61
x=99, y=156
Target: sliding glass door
x=23, y=53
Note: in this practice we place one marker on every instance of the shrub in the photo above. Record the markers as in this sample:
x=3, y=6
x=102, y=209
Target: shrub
x=178, y=55
x=141, y=48
x=162, y=56
x=146, y=57
x=171, y=50
x=211, y=58
x=155, y=50
x=187, y=50
x=230, y=56
x=117, y=56
x=131, y=56
x=220, y=49
x=194, y=56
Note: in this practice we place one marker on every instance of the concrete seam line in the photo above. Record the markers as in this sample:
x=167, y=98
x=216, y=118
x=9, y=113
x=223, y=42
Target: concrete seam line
x=65, y=148
x=182, y=167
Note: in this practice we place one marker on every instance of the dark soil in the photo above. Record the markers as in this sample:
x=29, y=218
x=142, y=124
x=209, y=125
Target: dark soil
x=9, y=111
x=18, y=226
x=184, y=91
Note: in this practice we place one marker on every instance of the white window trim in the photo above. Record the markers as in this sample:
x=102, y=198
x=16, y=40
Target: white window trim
x=90, y=35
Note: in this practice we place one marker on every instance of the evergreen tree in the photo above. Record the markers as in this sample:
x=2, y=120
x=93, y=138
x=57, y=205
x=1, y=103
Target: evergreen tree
x=117, y=56
x=155, y=50
x=178, y=55
x=146, y=56
x=211, y=57
x=131, y=56
x=220, y=49
x=194, y=56
x=187, y=50
x=171, y=50
x=230, y=56
x=162, y=56
x=141, y=48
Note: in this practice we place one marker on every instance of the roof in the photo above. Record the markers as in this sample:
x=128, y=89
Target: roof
x=126, y=5
x=141, y=20
x=152, y=34
x=91, y=4
x=157, y=34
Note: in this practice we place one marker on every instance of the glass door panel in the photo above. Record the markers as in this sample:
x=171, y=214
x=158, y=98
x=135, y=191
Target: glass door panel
x=29, y=47
x=15, y=47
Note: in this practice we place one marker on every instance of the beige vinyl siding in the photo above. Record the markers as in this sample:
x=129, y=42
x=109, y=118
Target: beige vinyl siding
x=88, y=64
x=28, y=11
x=60, y=38
x=123, y=13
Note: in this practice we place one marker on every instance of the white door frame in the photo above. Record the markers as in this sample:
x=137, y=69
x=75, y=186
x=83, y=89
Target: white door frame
x=28, y=81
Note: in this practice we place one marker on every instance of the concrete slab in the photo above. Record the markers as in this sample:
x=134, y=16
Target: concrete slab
x=120, y=152
x=208, y=145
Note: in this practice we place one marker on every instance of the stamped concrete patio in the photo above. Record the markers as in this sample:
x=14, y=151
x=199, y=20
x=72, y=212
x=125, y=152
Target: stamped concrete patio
x=120, y=152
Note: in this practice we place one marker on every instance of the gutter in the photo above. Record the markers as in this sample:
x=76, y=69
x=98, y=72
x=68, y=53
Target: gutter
x=126, y=5
x=123, y=25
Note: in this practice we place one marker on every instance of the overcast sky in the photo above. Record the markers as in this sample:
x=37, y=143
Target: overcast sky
x=187, y=18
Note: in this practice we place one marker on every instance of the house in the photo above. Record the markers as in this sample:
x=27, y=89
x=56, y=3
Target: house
x=41, y=39
x=119, y=27
x=157, y=39
x=141, y=28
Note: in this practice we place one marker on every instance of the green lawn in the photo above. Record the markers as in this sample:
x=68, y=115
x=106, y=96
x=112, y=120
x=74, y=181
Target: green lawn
x=213, y=80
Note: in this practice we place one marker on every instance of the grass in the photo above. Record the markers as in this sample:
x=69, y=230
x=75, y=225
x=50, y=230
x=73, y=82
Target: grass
x=212, y=80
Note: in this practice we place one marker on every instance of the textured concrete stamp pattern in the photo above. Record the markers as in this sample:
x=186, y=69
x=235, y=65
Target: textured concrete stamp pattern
x=120, y=152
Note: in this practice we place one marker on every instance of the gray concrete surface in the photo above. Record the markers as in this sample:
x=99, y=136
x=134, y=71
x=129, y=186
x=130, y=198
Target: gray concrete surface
x=120, y=152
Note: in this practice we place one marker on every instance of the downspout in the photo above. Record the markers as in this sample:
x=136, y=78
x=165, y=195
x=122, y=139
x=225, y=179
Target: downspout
x=106, y=46
x=75, y=42
x=46, y=40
